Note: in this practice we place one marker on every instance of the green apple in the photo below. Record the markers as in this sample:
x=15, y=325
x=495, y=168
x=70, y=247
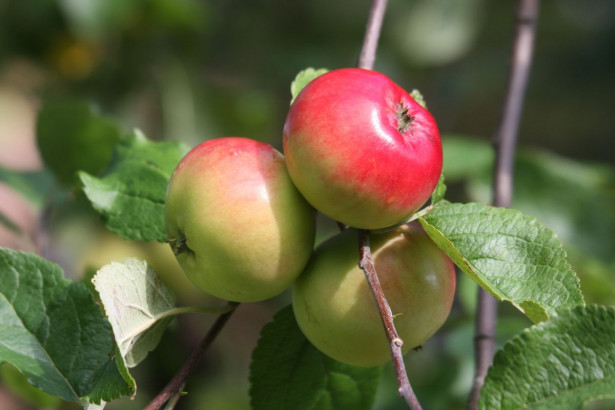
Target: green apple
x=336, y=311
x=237, y=225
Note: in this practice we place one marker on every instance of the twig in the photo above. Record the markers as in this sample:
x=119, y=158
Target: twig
x=177, y=383
x=367, y=265
x=372, y=34
x=484, y=342
x=505, y=145
x=507, y=136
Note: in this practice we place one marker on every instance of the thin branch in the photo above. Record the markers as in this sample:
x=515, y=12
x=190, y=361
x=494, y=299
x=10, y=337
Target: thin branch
x=507, y=136
x=367, y=265
x=505, y=145
x=484, y=342
x=177, y=383
x=372, y=34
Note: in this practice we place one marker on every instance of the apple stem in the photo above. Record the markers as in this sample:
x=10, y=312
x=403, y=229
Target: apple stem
x=177, y=383
x=505, y=144
x=366, y=263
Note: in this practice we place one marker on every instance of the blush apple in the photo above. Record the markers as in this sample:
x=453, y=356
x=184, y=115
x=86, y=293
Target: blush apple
x=360, y=149
x=238, y=226
x=334, y=306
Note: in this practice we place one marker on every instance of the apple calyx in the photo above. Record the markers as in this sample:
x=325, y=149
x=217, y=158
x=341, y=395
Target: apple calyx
x=404, y=120
x=179, y=245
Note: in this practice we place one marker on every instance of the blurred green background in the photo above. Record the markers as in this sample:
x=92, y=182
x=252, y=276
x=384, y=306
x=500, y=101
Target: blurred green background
x=192, y=70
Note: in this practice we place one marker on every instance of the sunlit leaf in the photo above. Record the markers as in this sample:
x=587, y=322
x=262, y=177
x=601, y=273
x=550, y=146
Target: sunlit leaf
x=511, y=255
x=53, y=332
x=573, y=198
x=304, y=78
x=131, y=194
x=439, y=192
x=138, y=305
x=418, y=97
x=559, y=364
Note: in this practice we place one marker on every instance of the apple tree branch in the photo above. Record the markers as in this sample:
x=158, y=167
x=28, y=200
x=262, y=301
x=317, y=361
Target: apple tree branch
x=505, y=145
x=366, y=263
x=372, y=34
x=177, y=383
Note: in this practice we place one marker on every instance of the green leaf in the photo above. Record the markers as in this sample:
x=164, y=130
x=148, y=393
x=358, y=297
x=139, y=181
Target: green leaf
x=34, y=186
x=304, y=78
x=121, y=367
x=574, y=199
x=418, y=97
x=131, y=194
x=287, y=372
x=52, y=330
x=560, y=364
x=511, y=255
x=72, y=137
x=439, y=192
x=109, y=380
x=137, y=304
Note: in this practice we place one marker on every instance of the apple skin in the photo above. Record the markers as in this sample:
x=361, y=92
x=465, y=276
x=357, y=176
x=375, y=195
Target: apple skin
x=238, y=226
x=334, y=306
x=360, y=149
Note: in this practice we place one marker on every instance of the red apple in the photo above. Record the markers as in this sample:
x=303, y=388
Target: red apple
x=238, y=226
x=334, y=306
x=360, y=149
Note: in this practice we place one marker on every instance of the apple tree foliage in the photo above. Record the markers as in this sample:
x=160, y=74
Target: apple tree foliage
x=78, y=344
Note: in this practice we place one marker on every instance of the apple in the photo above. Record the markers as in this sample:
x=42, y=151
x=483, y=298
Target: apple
x=238, y=226
x=334, y=306
x=360, y=149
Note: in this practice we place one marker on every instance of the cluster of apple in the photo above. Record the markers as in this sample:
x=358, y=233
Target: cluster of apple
x=360, y=150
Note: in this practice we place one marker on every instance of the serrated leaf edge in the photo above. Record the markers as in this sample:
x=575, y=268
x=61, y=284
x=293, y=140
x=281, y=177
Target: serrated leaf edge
x=486, y=285
x=49, y=359
x=136, y=334
x=309, y=70
x=537, y=327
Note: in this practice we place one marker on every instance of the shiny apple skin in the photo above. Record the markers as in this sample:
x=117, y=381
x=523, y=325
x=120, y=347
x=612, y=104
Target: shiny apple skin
x=346, y=154
x=336, y=311
x=239, y=228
